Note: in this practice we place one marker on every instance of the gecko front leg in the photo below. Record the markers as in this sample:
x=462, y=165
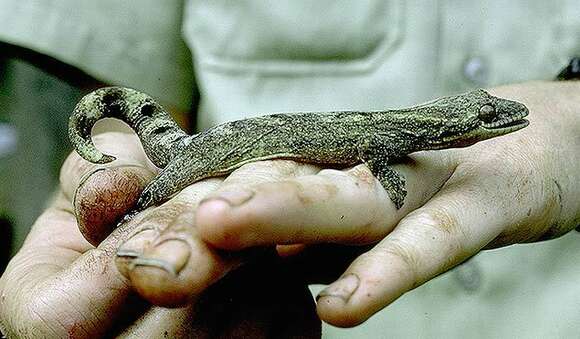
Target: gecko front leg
x=377, y=156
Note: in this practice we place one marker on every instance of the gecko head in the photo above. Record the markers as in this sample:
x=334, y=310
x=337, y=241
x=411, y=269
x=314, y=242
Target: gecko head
x=475, y=116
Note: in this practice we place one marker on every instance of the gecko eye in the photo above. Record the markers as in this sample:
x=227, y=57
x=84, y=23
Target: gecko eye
x=487, y=113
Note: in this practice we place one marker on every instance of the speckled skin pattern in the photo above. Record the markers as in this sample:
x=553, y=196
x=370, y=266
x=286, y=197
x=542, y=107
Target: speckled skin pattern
x=345, y=138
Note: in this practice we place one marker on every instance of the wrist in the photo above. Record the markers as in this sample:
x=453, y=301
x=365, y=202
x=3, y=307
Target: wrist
x=566, y=136
x=552, y=142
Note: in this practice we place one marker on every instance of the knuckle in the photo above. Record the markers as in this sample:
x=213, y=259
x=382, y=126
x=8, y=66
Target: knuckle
x=443, y=226
x=363, y=176
x=226, y=234
x=161, y=217
x=406, y=258
x=267, y=170
x=305, y=191
x=437, y=220
x=284, y=168
x=318, y=188
x=196, y=192
x=358, y=182
x=439, y=242
x=151, y=222
x=220, y=230
x=365, y=234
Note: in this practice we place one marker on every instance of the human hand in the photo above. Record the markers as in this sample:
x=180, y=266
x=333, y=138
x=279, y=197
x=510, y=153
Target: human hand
x=521, y=187
x=59, y=285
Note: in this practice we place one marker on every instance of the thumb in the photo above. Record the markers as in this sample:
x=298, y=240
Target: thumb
x=101, y=194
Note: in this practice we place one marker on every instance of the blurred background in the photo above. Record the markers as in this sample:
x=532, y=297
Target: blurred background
x=426, y=49
x=33, y=140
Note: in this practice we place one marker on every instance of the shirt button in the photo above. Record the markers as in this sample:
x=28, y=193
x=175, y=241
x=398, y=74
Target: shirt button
x=8, y=139
x=476, y=70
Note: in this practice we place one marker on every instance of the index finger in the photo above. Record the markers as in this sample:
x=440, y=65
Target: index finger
x=330, y=206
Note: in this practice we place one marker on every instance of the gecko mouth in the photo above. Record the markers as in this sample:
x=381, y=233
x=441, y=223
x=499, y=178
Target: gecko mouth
x=490, y=130
x=507, y=126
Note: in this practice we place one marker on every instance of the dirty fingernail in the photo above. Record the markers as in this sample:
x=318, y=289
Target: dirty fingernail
x=169, y=255
x=233, y=198
x=134, y=246
x=131, y=249
x=98, y=217
x=82, y=183
x=342, y=289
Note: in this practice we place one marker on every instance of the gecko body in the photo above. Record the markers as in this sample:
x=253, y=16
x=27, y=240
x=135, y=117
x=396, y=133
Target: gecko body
x=345, y=138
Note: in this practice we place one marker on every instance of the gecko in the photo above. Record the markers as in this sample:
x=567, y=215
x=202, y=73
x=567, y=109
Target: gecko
x=339, y=138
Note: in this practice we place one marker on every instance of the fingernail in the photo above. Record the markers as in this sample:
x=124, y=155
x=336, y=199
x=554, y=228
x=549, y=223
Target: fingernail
x=134, y=246
x=233, y=198
x=169, y=255
x=82, y=182
x=343, y=288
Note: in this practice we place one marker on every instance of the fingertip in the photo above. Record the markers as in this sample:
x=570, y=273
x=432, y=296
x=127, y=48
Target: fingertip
x=332, y=310
x=132, y=249
x=160, y=287
x=104, y=197
x=348, y=312
x=335, y=303
x=215, y=225
x=372, y=282
x=158, y=273
x=173, y=272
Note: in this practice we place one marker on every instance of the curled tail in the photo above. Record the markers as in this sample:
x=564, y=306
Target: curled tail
x=154, y=126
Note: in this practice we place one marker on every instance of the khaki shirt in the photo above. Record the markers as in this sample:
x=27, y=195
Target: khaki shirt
x=131, y=42
x=253, y=57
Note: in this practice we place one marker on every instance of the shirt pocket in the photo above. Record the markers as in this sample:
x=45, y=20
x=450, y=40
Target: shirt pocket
x=293, y=37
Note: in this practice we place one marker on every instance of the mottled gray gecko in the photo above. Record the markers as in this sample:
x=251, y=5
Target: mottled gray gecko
x=376, y=138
